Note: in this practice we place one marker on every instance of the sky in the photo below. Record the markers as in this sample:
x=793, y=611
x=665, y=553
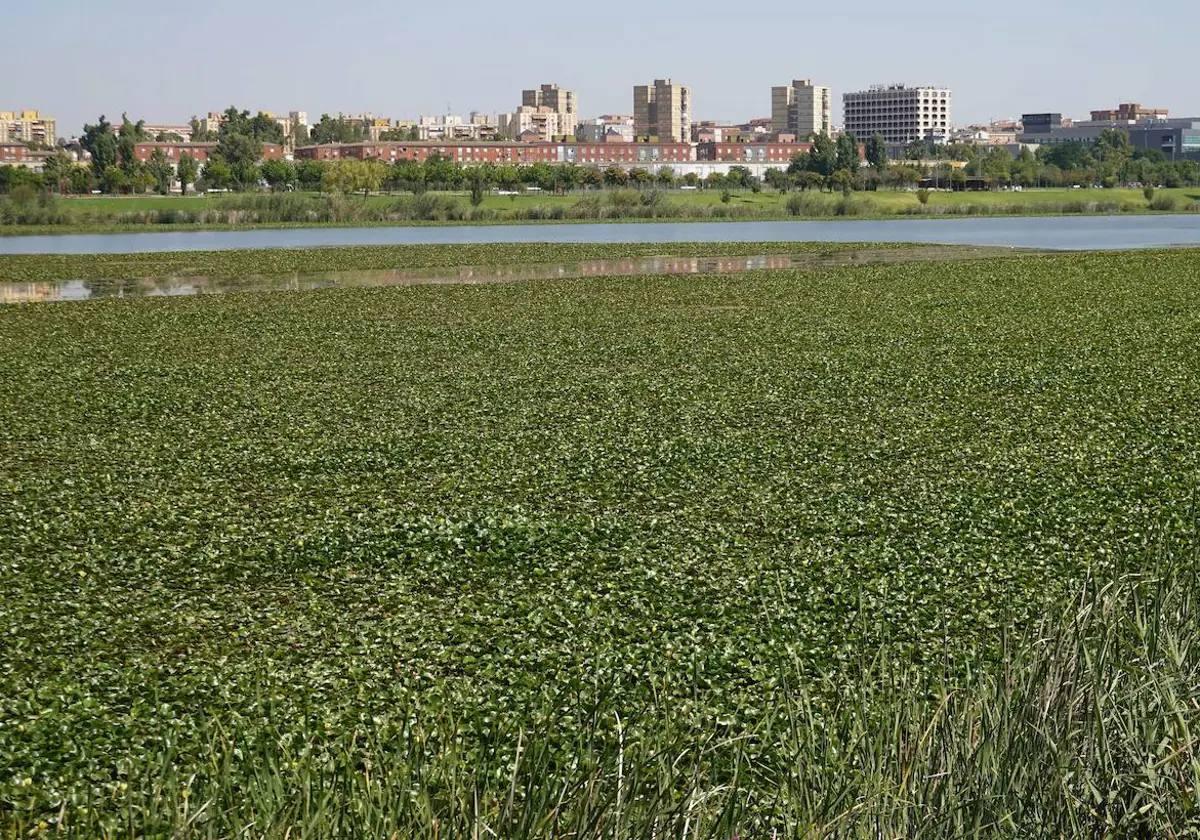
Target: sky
x=164, y=62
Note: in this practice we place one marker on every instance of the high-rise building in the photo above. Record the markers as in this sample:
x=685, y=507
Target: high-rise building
x=531, y=122
x=27, y=127
x=560, y=101
x=899, y=113
x=663, y=110
x=801, y=108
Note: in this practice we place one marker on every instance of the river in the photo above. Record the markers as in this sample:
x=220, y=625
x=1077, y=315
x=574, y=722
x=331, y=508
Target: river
x=1041, y=232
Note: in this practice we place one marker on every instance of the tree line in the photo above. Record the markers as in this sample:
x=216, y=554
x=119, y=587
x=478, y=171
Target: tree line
x=837, y=165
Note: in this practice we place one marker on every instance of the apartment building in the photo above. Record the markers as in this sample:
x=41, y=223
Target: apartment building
x=449, y=127
x=899, y=113
x=663, y=110
x=608, y=128
x=27, y=127
x=532, y=122
x=562, y=102
x=802, y=109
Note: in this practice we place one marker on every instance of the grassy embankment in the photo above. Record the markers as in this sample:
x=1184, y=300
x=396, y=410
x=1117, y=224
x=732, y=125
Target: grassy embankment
x=215, y=212
x=780, y=551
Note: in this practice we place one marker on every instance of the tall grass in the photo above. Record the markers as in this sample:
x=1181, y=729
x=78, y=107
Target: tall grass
x=302, y=208
x=1087, y=726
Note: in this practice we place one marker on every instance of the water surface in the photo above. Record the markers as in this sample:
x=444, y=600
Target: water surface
x=1041, y=232
x=93, y=289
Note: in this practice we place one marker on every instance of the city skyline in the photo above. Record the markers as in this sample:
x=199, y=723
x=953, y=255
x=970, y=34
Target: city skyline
x=283, y=62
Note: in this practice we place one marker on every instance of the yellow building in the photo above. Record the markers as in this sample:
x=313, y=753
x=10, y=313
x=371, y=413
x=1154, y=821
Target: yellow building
x=27, y=127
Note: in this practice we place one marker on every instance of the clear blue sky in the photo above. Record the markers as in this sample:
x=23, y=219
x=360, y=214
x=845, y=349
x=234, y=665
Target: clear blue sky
x=164, y=61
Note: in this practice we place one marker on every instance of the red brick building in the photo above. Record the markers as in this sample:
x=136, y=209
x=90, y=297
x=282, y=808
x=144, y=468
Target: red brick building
x=626, y=154
x=463, y=152
x=750, y=152
x=174, y=151
x=199, y=151
x=17, y=154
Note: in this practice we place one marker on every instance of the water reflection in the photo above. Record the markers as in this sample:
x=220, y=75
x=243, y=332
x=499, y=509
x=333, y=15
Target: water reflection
x=77, y=290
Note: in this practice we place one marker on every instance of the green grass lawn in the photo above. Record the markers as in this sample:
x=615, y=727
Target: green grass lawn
x=252, y=533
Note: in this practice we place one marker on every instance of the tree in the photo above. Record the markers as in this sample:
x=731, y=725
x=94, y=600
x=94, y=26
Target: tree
x=407, y=175
x=186, y=171
x=809, y=181
x=12, y=177
x=1024, y=168
x=218, y=175
x=740, y=177
x=918, y=150
x=101, y=143
x=279, y=174
x=615, y=176
x=300, y=135
x=200, y=134
x=336, y=130
x=843, y=180
x=997, y=166
x=777, y=179
x=902, y=176
x=128, y=136
x=309, y=174
x=57, y=171
x=82, y=180
x=443, y=173
x=241, y=153
x=113, y=179
x=160, y=170
x=592, y=178
x=508, y=177
x=877, y=154
x=350, y=176
x=261, y=127
x=846, y=157
x=478, y=181
x=142, y=179
x=822, y=156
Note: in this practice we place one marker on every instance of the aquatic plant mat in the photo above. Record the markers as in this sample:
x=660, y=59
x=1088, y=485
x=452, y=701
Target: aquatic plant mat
x=866, y=551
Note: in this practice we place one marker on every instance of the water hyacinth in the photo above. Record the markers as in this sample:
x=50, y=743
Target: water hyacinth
x=901, y=550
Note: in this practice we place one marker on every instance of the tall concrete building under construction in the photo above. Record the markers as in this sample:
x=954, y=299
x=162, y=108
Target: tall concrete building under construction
x=801, y=108
x=663, y=110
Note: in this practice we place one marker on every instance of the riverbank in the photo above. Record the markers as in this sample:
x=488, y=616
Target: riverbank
x=115, y=214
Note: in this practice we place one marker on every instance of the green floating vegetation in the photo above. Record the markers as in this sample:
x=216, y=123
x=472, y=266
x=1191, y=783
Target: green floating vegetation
x=780, y=553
